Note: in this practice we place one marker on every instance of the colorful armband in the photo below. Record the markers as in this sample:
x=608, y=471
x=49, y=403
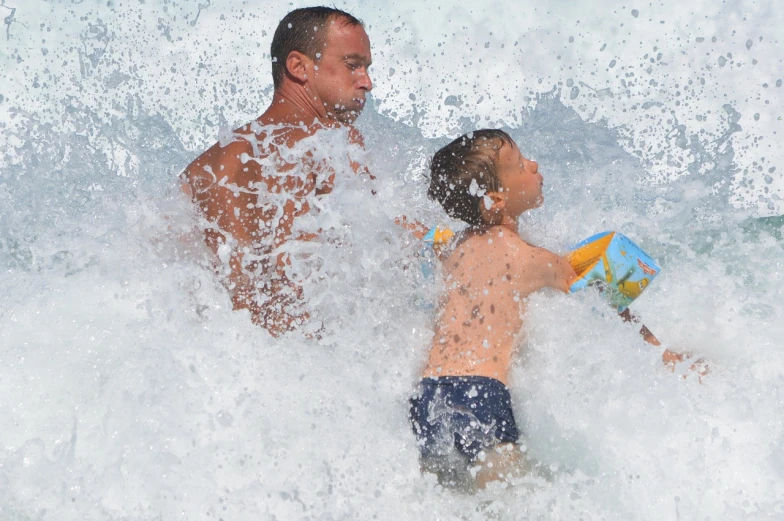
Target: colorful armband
x=617, y=264
x=438, y=237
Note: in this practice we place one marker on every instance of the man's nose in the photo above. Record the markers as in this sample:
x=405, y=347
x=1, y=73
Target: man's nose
x=364, y=82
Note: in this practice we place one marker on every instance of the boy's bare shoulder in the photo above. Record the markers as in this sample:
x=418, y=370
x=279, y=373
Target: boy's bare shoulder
x=550, y=268
x=499, y=250
x=490, y=249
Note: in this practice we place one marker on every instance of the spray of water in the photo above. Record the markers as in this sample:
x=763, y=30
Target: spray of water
x=129, y=389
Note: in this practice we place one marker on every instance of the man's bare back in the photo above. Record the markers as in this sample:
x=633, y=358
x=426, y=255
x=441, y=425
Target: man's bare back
x=488, y=276
x=252, y=196
x=250, y=187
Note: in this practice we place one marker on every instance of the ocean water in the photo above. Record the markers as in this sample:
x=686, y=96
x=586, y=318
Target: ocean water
x=129, y=389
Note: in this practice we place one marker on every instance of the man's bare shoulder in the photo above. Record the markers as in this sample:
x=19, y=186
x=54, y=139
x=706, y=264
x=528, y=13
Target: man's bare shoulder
x=233, y=154
x=276, y=131
x=219, y=157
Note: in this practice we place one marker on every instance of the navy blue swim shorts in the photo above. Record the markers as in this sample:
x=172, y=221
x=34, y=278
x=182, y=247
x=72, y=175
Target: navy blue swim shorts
x=464, y=413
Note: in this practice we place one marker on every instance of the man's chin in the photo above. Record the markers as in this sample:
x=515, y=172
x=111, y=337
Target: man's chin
x=347, y=116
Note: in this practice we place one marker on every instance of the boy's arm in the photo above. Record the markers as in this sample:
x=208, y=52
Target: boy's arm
x=417, y=229
x=670, y=358
x=627, y=316
x=564, y=274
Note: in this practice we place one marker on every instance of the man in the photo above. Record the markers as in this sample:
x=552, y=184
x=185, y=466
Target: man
x=250, y=194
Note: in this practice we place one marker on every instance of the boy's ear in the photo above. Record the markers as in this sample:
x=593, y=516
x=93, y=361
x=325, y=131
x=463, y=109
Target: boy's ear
x=298, y=65
x=492, y=206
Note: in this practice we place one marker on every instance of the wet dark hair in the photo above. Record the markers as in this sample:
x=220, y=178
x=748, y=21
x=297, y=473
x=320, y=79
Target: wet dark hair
x=469, y=159
x=303, y=30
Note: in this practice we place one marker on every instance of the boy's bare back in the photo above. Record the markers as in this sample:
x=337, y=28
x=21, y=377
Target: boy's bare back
x=488, y=276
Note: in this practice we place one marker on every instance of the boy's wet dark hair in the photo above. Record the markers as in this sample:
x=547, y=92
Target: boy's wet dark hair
x=303, y=30
x=464, y=170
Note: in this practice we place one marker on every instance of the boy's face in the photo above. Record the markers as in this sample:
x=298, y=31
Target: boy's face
x=521, y=182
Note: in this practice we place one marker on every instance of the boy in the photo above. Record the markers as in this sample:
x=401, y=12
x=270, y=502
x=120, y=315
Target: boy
x=462, y=414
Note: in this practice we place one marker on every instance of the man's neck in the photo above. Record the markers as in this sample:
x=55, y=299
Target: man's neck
x=291, y=104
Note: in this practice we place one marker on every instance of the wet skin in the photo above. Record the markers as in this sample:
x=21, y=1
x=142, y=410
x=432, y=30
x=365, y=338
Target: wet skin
x=326, y=91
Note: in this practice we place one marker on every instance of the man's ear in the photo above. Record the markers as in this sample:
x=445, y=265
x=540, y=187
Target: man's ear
x=492, y=206
x=298, y=65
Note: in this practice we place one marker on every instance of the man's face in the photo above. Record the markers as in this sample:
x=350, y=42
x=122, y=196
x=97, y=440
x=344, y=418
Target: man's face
x=340, y=79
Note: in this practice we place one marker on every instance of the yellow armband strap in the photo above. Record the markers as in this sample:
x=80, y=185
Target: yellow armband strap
x=438, y=237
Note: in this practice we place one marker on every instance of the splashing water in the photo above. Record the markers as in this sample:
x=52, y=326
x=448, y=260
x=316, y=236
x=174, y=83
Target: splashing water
x=129, y=389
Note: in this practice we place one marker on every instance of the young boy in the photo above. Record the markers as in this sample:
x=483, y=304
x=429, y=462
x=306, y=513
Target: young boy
x=462, y=414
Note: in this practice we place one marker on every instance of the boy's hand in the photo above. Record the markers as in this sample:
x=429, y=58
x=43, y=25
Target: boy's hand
x=671, y=359
x=416, y=228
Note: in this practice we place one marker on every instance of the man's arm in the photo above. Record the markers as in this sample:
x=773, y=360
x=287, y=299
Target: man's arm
x=417, y=229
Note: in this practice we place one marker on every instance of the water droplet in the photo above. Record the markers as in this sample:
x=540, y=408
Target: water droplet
x=224, y=417
x=452, y=100
x=756, y=116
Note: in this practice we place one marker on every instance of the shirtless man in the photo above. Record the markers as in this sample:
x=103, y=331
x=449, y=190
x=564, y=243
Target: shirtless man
x=462, y=414
x=249, y=193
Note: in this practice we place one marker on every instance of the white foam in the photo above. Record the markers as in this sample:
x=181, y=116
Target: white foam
x=129, y=389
